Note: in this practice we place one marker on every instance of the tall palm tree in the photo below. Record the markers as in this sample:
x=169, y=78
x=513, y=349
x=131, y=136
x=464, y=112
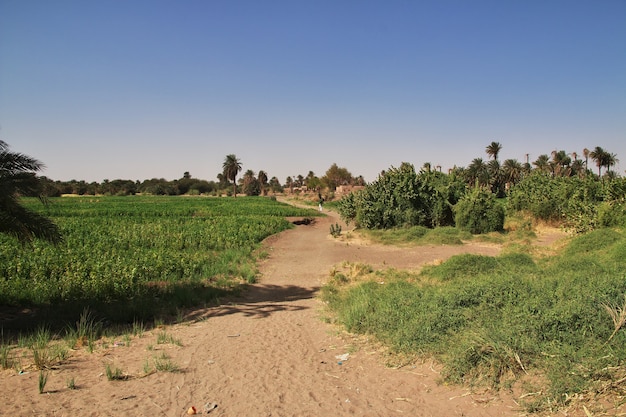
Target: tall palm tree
x=542, y=163
x=496, y=177
x=610, y=159
x=262, y=177
x=599, y=155
x=578, y=168
x=477, y=173
x=512, y=171
x=231, y=168
x=493, y=150
x=586, y=153
x=561, y=163
x=17, y=178
x=289, y=183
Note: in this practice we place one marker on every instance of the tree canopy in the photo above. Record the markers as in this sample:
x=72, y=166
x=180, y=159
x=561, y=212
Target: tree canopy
x=17, y=178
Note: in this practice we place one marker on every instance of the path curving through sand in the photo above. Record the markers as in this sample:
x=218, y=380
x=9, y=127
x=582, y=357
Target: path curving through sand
x=268, y=353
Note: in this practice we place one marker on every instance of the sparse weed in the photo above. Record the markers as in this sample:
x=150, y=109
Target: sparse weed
x=85, y=331
x=617, y=314
x=114, y=374
x=41, y=357
x=165, y=364
x=138, y=328
x=71, y=383
x=43, y=379
x=164, y=338
x=147, y=367
x=6, y=360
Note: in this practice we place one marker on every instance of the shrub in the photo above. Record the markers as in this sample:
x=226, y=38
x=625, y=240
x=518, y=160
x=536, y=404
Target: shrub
x=479, y=212
x=612, y=214
x=403, y=198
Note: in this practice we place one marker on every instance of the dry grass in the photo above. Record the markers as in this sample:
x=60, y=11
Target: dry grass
x=618, y=315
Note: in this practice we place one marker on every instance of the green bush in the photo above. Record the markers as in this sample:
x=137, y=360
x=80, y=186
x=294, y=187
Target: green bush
x=479, y=212
x=580, y=204
x=403, y=198
x=612, y=214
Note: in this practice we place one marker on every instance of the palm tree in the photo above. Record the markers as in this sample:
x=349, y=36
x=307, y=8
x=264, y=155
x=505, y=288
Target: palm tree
x=599, y=155
x=249, y=184
x=231, y=167
x=262, y=177
x=586, y=153
x=495, y=177
x=561, y=163
x=493, y=150
x=17, y=177
x=477, y=173
x=248, y=176
x=512, y=171
x=274, y=184
x=578, y=168
x=289, y=183
x=542, y=163
x=610, y=159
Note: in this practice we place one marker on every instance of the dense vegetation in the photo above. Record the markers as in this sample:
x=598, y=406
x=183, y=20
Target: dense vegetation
x=156, y=251
x=551, y=325
x=402, y=197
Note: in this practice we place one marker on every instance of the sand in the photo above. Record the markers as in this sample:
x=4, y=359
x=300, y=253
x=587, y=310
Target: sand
x=268, y=353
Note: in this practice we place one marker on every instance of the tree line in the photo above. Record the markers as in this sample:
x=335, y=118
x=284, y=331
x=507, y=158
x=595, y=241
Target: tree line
x=559, y=189
x=228, y=183
x=500, y=177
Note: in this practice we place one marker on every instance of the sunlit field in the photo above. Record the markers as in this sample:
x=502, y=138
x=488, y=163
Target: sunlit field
x=135, y=255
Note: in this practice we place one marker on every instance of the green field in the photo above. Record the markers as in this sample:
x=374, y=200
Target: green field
x=137, y=255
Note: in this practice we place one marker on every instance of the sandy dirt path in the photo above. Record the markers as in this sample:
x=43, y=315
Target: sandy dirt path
x=268, y=353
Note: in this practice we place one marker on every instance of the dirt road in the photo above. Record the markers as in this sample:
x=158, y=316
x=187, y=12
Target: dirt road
x=266, y=354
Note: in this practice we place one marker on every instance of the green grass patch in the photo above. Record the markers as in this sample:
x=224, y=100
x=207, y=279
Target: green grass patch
x=418, y=235
x=490, y=320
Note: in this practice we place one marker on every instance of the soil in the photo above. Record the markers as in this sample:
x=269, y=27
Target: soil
x=268, y=353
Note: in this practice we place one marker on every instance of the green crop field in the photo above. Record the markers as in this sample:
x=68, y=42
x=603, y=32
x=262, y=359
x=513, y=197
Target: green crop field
x=140, y=253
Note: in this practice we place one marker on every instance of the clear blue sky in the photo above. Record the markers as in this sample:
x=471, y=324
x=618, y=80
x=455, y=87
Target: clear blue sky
x=140, y=89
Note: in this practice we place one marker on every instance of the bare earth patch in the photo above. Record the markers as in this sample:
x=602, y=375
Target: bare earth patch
x=268, y=353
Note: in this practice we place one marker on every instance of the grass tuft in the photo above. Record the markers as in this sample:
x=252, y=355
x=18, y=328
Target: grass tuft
x=115, y=374
x=42, y=381
x=165, y=338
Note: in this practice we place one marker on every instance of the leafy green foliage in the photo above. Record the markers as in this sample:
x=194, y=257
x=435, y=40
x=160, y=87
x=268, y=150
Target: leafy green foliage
x=17, y=178
x=479, y=212
x=403, y=198
x=581, y=204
